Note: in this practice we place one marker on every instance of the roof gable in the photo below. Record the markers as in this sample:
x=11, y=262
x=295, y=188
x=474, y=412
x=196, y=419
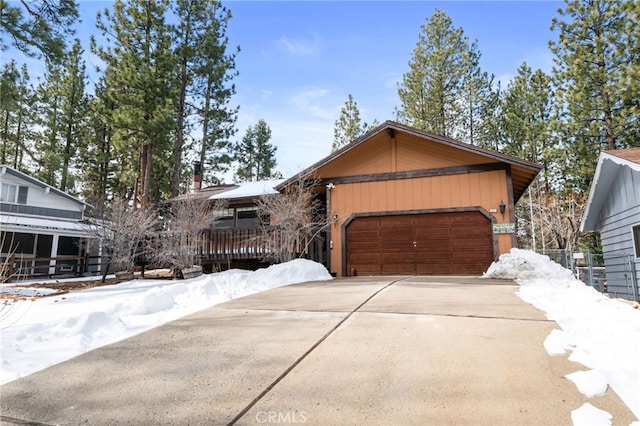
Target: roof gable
x=38, y=183
x=415, y=150
x=607, y=170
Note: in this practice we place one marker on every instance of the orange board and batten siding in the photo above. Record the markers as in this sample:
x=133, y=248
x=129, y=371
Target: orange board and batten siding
x=403, y=153
x=483, y=189
x=408, y=185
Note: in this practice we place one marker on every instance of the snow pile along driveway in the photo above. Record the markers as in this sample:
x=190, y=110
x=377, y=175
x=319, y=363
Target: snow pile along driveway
x=39, y=333
x=603, y=334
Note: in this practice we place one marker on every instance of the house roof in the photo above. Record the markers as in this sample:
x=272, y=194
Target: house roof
x=629, y=154
x=522, y=172
x=607, y=169
x=248, y=190
x=11, y=171
x=205, y=193
x=37, y=224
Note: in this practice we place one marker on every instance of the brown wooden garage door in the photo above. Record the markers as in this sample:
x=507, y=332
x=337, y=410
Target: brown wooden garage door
x=424, y=244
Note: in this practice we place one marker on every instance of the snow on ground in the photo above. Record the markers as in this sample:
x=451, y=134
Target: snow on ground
x=603, y=334
x=35, y=334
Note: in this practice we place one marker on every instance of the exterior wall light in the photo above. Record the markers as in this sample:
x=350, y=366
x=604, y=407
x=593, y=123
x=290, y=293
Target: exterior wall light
x=502, y=207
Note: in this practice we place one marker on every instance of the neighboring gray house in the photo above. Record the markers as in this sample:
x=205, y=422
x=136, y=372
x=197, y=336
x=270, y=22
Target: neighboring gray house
x=613, y=209
x=39, y=221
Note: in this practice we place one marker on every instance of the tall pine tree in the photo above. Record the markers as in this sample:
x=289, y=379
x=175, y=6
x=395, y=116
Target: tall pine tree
x=37, y=27
x=214, y=75
x=527, y=112
x=348, y=126
x=255, y=155
x=444, y=88
x=596, y=62
x=141, y=72
x=205, y=69
x=73, y=114
x=16, y=113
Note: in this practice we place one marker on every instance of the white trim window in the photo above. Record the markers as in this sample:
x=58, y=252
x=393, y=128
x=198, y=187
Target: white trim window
x=14, y=194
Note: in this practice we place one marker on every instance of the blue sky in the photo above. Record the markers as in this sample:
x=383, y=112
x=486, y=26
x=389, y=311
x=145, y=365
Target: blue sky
x=300, y=60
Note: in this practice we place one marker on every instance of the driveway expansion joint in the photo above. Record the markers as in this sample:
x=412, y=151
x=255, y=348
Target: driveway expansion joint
x=307, y=353
x=427, y=314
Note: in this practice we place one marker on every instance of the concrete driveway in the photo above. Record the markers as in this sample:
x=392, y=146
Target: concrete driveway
x=381, y=350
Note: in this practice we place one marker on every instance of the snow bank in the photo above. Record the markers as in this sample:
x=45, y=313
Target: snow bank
x=39, y=333
x=603, y=334
x=526, y=265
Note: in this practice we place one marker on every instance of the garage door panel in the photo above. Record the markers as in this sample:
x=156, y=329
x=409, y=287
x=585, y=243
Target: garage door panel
x=436, y=244
x=401, y=247
x=400, y=235
x=470, y=255
x=364, y=223
x=465, y=269
x=469, y=232
x=433, y=233
x=434, y=269
x=445, y=243
x=438, y=252
x=433, y=219
x=368, y=234
x=457, y=246
x=423, y=258
x=368, y=269
x=365, y=256
x=391, y=269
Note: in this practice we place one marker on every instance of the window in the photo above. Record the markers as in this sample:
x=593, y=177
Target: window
x=22, y=194
x=247, y=212
x=224, y=214
x=8, y=193
x=13, y=193
x=636, y=239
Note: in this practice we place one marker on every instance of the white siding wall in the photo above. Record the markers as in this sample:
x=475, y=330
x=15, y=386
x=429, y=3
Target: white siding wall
x=620, y=212
x=37, y=197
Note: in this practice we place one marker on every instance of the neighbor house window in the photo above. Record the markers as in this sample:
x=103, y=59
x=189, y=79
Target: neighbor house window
x=247, y=212
x=223, y=216
x=636, y=240
x=13, y=193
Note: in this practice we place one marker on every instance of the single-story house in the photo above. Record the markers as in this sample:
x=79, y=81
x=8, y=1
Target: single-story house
x=40, y=223
x=405, y=201
x=241, y=210
x=613, y=208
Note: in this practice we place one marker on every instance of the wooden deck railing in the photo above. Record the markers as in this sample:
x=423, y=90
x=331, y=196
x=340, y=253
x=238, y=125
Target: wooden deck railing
x=216, y=246
x=19, y=266
x=251, y=244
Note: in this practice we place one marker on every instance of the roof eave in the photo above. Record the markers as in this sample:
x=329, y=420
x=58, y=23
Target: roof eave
x=533, y=167
x=597, y=193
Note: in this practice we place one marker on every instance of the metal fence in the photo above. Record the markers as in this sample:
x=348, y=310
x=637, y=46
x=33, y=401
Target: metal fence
x=616, y=273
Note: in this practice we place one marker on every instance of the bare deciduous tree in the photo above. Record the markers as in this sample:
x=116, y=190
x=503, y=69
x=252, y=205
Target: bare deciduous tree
x=181, y=243
x=550, y=220
x=122, y=232
x=290, y=220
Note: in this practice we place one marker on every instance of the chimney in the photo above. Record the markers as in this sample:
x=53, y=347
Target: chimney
x=197, y=177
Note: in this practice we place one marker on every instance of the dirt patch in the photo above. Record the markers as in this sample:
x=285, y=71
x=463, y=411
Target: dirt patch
x=65, y=286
